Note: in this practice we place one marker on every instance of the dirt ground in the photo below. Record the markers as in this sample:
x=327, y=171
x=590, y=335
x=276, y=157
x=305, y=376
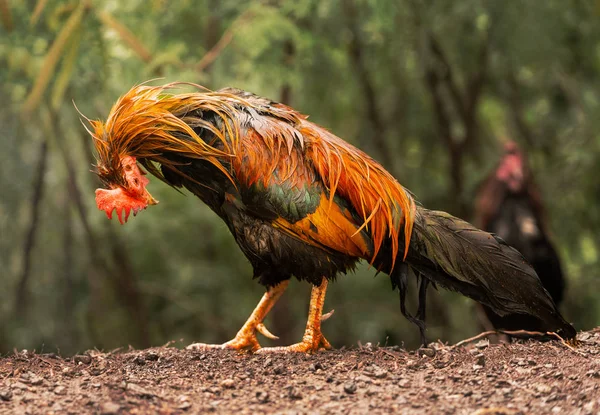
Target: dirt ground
x=478, y=378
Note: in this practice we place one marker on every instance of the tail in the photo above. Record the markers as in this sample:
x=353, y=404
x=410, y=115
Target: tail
x=454, y=254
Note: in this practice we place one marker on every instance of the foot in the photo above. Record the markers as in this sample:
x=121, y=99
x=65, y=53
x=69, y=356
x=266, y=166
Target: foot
x=246, y=339
x=309, y=344
x=247, y=342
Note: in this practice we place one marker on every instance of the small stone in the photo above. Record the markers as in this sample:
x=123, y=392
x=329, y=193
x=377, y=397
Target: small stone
x=329, y=379
x=36, y=380
x=29, y=397
x=363, y=378
x=185, y=405
x=313, y=367
x=279, y=370
x=228, y=383
x=541, y=388
x=350, y=388
x=31, y=378
x=480, y=360
x=262, y=396
x=139, y=360
x=426, y=351
x=19, y=385
x=371, y=392
x=138, y=390
x=412, y=364
x=294, y=393
x=82, y=358
x=60, y=390
x=151, y=356
x=482, y=344
x=593, y=373
x=588, y=407
x=109, y=408
x=5, y=394
x=380, y=373
x=404, y=383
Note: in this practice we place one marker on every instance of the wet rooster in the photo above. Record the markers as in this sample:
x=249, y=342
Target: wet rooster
x=509, y=204
x=300, y=202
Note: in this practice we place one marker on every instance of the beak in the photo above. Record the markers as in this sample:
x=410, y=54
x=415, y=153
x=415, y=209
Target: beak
x=149, y=198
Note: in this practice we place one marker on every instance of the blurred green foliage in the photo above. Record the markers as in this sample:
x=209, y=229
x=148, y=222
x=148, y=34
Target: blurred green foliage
x=368, y=70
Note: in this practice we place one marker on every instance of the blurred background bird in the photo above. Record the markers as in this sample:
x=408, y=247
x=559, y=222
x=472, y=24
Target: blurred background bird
x=509, y=204
x=301, y=202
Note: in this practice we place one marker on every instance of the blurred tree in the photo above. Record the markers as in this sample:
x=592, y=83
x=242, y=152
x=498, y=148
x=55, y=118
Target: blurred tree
x=428, y=88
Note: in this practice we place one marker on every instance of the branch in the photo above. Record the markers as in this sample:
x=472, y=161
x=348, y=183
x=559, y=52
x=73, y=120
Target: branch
x=443, y=120
x=36, y=199
x=474, y=92
x=357, y=57
x=449, y=77
x=516, y=105
x=6, y=16
x=289, y=52
x=212, y=55
x=68, y=306
x=126, y=35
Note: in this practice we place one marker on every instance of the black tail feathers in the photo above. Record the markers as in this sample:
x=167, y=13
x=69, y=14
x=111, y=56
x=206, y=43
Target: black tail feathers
x=399, y=278
x=454, y=254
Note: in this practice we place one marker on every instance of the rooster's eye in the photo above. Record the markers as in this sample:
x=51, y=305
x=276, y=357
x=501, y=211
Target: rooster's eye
x=128, y=167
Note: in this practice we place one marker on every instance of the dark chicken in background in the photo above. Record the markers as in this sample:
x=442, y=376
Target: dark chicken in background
x=509, y=205
x=301, y=202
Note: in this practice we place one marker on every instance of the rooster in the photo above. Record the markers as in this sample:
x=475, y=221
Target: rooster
x=300, y=202
x=509, y=205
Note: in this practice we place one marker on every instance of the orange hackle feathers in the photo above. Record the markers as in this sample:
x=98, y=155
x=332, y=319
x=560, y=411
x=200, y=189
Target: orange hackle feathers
x=148, y=122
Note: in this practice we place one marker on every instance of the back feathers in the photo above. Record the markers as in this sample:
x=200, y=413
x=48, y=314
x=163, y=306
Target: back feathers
x=148, y=122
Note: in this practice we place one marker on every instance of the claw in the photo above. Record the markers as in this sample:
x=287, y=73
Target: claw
x=265, y=332
x=326, y=315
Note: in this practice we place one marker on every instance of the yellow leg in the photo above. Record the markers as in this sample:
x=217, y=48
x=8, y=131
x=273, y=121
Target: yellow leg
x=245, y=339
x=313, y=339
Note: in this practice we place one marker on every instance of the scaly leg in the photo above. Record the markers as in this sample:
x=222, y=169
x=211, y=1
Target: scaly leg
x=245, y=339
x=313, y=339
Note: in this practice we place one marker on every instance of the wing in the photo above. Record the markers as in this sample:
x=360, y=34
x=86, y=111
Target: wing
x=283, y=187
x=281, y=150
